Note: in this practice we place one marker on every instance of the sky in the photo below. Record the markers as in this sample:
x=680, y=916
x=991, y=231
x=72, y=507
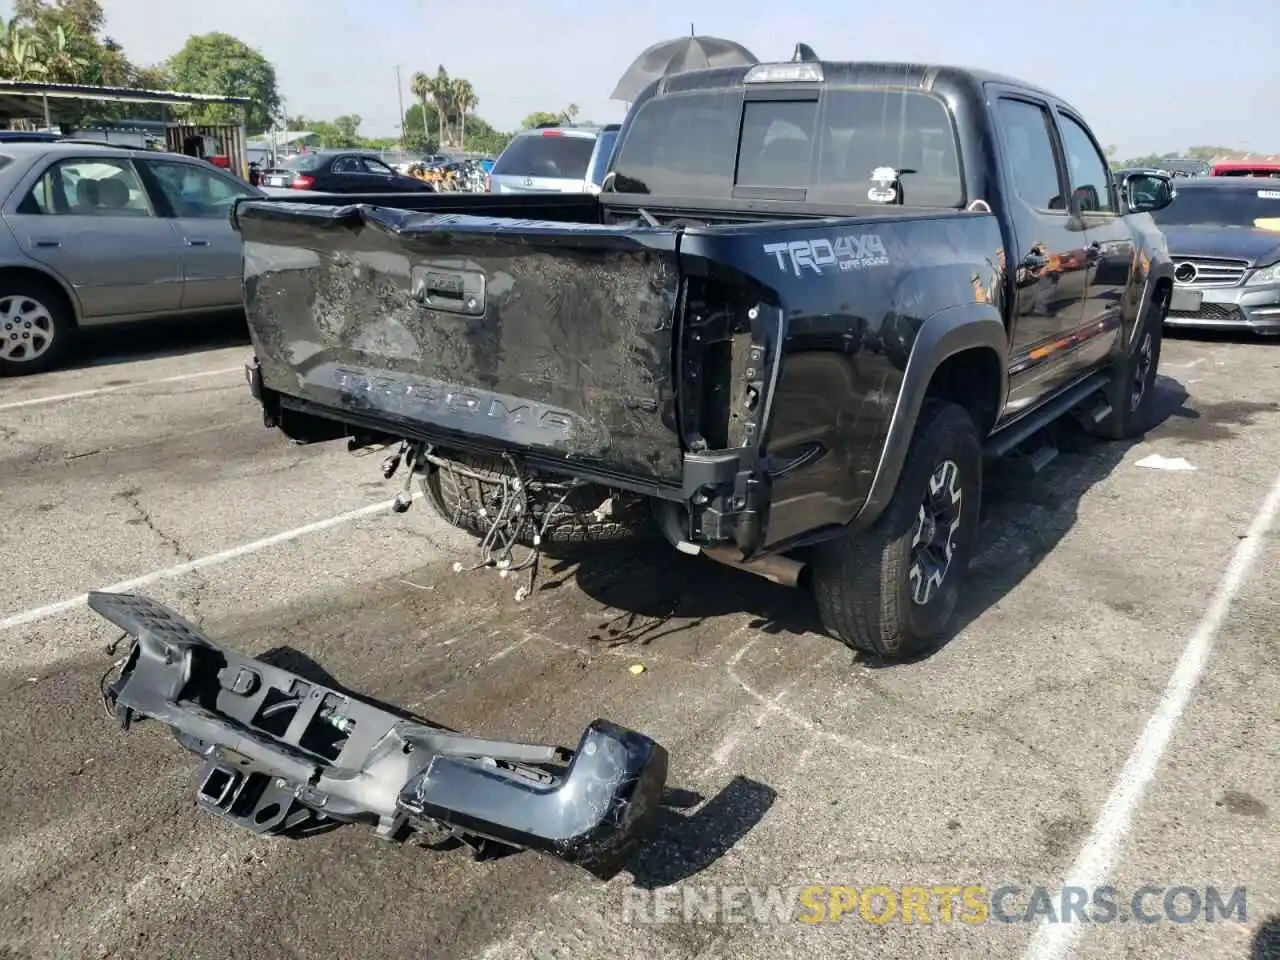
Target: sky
x=1148, y=75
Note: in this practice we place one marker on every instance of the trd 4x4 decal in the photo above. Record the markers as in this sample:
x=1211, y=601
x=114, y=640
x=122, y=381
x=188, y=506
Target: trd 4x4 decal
x=847, y=253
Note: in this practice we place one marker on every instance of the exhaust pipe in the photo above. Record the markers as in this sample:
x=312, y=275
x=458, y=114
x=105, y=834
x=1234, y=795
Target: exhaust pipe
x=781, y=570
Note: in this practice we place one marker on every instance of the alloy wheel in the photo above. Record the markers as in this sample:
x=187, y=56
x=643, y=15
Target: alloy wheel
x=934, y=543
x=26, y=328
x=1141, y=372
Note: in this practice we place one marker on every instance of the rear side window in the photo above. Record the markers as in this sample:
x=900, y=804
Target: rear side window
x=835, y=148
x=1032, y=162
x=546, y=155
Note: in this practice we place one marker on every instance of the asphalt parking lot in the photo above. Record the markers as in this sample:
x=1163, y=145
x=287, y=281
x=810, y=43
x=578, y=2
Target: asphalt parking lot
x=1104, y=715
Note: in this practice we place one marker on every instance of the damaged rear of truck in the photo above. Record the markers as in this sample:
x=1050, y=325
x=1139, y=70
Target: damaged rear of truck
x=692, y=369
x=789, y=301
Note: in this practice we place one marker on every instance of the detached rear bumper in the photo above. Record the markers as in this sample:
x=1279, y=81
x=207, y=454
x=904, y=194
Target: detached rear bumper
x=283, y=753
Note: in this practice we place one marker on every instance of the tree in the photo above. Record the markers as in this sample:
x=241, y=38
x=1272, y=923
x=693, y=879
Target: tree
x=1208, y=153
x=347, y=128
x=70, y=31
x=464, y=100
x=420, y=87
x=21, y=54
x=543, y=117
x=61, y=56
x=441, y=90
x=218, y=63
x=419, y=121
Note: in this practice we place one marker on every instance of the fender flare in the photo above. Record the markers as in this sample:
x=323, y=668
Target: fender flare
x=945, y=334
x=1158, y=273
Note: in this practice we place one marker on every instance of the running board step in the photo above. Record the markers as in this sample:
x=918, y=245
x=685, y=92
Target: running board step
x=1030, y=459
x=285, y=753
x=1042, y=457
x=1023, y=429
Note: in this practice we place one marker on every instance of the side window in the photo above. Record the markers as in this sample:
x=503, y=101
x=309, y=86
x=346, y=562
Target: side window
x=1032, y=164
x=348, y=165
x=89, y=188
x=193, y=191
x=376, y=166
x=1090, y=182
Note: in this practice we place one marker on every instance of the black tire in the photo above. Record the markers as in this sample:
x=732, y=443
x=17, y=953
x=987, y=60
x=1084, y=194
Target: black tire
x=37, y=326
x=460, y=488
x=1132, y=386
x=866, y=584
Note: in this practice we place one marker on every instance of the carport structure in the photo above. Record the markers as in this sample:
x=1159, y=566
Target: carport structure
x=28, y=99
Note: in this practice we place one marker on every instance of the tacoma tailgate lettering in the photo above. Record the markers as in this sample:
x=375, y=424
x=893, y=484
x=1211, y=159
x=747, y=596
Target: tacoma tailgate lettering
x=412, y=395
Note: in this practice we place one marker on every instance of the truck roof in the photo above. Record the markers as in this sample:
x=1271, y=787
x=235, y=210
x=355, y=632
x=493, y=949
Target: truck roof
x=853, y=73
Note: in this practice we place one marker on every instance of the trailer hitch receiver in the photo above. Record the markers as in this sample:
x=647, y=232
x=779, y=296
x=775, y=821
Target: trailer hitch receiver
x=284, y=753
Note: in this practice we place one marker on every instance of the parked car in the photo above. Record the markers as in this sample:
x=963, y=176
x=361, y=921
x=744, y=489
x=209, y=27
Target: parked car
x=1224, y=240
x=28, y=136
x=1243, y=168
x=105, y=234
x=556, y=159
x=1187, y=168
x=340, y=171
x=812, y=307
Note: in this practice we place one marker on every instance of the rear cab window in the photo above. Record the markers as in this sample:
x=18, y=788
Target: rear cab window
x=550, y=154
x=835, y=144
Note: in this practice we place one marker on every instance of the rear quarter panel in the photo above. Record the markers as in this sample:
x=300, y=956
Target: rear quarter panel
x=854, y=295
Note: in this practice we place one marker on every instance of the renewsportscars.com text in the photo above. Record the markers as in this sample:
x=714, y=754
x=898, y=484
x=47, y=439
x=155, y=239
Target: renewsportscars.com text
x=934, y=904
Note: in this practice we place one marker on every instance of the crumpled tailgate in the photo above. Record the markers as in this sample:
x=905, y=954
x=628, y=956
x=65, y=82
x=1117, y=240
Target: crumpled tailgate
x=553, y=337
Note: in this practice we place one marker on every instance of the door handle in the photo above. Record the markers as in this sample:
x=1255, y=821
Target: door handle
x=46, y=244
x=197, y=243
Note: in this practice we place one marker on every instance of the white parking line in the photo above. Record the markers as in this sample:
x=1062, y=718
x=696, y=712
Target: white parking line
x=1097, y=859
x=213, y=559
x=98, y=391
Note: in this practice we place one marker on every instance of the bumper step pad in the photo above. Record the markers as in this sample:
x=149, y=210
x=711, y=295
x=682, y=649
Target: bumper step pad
x=284, y=754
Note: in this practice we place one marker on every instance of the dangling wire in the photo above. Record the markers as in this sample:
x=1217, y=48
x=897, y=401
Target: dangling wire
x=513, y=515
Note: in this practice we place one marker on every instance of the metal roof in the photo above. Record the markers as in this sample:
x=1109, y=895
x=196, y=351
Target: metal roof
x=84, y=91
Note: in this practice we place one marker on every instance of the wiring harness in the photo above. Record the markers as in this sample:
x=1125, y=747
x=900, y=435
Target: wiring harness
x=508, y=516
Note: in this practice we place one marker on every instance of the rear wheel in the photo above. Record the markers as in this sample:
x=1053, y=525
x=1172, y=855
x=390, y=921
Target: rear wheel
x=36, y=327
x=469, y=493
x=892, y=590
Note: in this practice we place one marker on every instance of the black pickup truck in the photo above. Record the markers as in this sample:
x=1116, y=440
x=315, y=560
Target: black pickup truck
x=812, y=301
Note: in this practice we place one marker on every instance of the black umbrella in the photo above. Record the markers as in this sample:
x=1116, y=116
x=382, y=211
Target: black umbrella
x=677, y=56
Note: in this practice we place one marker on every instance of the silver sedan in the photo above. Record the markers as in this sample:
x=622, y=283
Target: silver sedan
x=101, y=235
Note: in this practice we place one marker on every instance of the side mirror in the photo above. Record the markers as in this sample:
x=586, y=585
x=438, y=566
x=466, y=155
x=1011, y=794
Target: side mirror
x=1145, y=192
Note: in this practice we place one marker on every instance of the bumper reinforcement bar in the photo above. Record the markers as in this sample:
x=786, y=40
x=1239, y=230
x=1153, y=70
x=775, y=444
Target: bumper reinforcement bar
x=285, y=754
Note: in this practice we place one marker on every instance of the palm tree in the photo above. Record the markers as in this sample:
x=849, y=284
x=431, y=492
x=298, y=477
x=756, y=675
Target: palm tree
x=442, y=93
x=420, y=87
x=571, y=111
x=464, y=101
